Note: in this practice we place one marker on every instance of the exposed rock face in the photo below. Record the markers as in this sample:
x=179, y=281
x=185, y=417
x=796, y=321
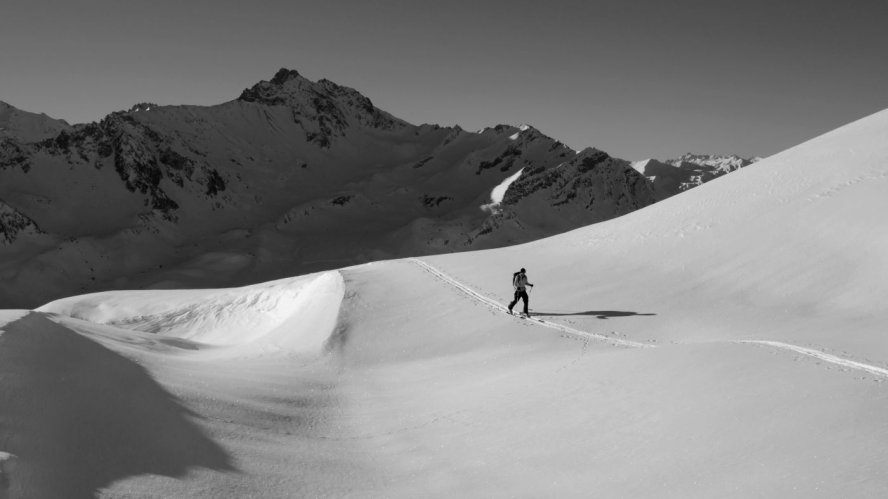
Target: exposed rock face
x=688, y=171
x=293, y=176
x=324, y=109
x=592, y=181
x=14, y=225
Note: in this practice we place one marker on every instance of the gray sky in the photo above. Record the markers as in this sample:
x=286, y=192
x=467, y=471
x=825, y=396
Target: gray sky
x=635, y=78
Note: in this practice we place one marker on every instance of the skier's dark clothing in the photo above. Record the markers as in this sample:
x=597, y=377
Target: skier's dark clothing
x=519, y=281
x=519, y=294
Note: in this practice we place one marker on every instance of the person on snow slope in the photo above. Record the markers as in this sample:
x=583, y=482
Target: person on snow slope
x=519, y=282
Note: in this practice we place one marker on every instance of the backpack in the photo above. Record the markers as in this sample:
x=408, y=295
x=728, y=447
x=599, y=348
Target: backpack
x=516, y=278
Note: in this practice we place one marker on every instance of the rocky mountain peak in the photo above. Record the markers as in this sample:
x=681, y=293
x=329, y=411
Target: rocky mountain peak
x=143, y=106
x=284, y=75
x=729, y=162
x=286, y=86
x=688, y=171
x=591, y=156
x=324, y=109
x=289, y=87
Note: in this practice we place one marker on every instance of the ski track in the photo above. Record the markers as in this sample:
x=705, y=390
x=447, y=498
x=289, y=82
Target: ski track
x=809, y=352
x=817, y=354
x=502, y=308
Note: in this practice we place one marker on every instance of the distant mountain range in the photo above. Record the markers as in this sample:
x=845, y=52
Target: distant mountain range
x=673, y=176
x=293, y=176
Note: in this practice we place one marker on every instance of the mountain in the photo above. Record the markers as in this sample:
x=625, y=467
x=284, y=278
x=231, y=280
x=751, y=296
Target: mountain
x=293, y=176
x=727, y=342
x=673, y=176
x=712, y=162
x=14, y=224
x=27, y=127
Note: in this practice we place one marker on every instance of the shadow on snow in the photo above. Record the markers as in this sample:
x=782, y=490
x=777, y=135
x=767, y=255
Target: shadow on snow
x=79, y=416
x=600, y=314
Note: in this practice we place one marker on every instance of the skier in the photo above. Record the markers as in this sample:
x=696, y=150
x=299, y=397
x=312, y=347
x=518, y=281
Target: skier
x=519, y=282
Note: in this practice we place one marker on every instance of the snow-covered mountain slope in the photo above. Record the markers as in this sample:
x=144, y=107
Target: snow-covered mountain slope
x=728, y=342
x=722, y=163
x=294, y=176
x=27, y=127
x=688, y=171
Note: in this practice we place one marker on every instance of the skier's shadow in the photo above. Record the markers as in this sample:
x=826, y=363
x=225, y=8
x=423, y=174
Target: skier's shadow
x=600, y=314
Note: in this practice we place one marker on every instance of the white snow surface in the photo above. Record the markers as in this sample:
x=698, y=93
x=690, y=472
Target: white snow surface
x=294, y=315
x=726, y=342
x=640, y=165
x=499, y=192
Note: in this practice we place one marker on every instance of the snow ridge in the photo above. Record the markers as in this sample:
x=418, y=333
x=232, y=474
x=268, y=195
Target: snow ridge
x=291, y=316
x=501, y=308
x=817, y=354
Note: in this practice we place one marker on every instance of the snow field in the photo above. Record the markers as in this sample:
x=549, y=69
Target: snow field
x=832, y=359
x=503, y=308
x=453, y=398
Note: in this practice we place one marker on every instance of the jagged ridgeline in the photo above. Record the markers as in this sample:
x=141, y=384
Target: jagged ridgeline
x=291, y=177
x=674, y=176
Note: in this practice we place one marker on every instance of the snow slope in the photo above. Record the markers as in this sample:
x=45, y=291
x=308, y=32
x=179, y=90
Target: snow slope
x=728, y=342
x=28, y=127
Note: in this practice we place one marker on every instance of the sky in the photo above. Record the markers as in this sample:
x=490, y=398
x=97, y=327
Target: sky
x=637, y=79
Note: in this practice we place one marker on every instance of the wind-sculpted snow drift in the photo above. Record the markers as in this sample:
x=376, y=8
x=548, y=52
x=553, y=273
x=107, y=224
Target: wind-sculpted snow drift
x=295, y=315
